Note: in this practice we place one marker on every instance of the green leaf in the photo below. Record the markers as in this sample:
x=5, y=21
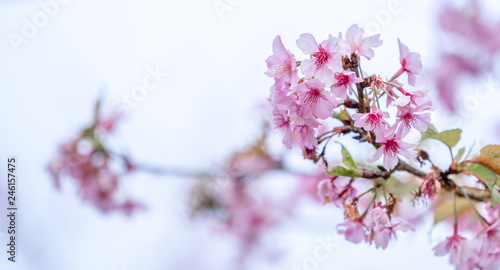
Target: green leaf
x=347, y=158
x=342, y=171
x=460, y=154
x=340, y=114
x=431, y=131
x=448, y=137
x=445, y=210
x=486, y=175
x=495, y=197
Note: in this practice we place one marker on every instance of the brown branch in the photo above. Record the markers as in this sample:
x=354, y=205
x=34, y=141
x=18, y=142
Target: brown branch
x=473, y=193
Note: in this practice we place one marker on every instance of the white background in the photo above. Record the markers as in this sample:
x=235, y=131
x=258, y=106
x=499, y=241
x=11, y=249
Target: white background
x=205, y=110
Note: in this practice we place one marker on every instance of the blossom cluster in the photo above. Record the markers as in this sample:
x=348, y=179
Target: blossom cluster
x=87, y=161
x=480, y=252
x=329, y=84
x=301, y=102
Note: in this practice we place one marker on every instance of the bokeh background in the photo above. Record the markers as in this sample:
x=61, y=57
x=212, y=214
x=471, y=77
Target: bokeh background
x=207, y=107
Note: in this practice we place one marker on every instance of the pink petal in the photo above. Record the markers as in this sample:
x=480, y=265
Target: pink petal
x=307, y=43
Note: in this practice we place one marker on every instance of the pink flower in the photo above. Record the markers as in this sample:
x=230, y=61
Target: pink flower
x=335, y=189
x=457, y=67
x=382, y=229
x=409, y=117
x=487, y=247
x=376, y=216
x=472, y=24
x=91, y=171
x=456, y=245
x=373, y=121
x=392, y=146
x=343, y=82
x=281, y=121
x=430, y=187
x=244, y=217
x=354, y=231
x=417, y=98
x=355, y=43
x=314, y=99
x=410, y=62
x=281, y=65
x=307, y=137
x=383, y=233
x=326, y=60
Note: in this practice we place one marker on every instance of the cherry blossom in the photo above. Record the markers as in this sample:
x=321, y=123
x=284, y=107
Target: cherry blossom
x=373, y=121
x=356, y=43
x=382, y=228
x=410, y=117
x=281, y=121
x=343, y=82
x=326, y=61
x=456, y=246
x=410, y=62
x=391, y=147
x=306, y=136
x=315, y=99
x=281, y=65
x=430, y=187
x=354, y=231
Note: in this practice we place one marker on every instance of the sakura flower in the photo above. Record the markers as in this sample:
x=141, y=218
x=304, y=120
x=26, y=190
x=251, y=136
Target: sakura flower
x=373, y=121
x=281, y=121
x=281, y=65
x=382, y=228
x=392, y=146
x=314, y=98
x=307, y=137
x=430, y=187
x=456, y=246
x=245, y=217
x=383, y=233
x=335, y=189
x=90, y=169
x=343, y=82
x=457, y=67
x=410, y=62
x=354, y=231
x=326, y=60
x=417, y=98
x=355, y=43
x=487, y=248
x=409, y=117
x=325, y=190
x=281, y=98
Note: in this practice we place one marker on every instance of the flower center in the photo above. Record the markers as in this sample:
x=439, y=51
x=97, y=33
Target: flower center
x=391, y=147
x=312, y=96
x=342, y=79
x=409, y=119
x=321, y=57
x=373, y=120
x=281, y=68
